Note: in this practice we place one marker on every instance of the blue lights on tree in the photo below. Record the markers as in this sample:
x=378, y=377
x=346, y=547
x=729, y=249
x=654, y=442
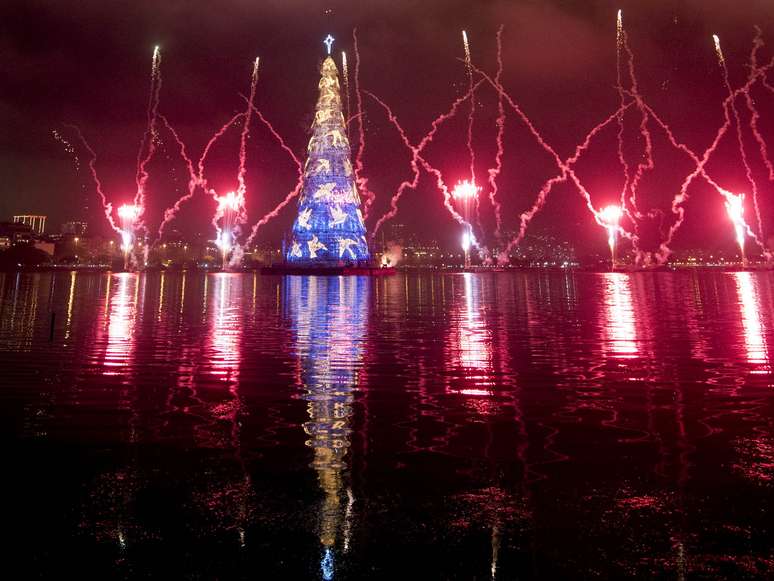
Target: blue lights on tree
x=329, y=229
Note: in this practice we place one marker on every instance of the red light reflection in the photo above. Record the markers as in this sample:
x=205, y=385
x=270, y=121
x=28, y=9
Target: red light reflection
x=121, y=323
x=226, y=327
x=619, y=324
x=754, y=332
x=470, y=342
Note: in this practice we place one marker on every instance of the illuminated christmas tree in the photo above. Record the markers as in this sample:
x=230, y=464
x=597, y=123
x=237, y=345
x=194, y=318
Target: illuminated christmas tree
x=329, y=229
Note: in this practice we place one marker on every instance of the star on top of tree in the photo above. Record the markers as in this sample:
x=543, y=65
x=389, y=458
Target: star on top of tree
x=328, y=42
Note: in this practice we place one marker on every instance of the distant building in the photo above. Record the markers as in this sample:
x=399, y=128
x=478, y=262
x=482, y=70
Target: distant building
x=47, y=247
x=76, y=228
x=395, y=232
x=17, y=232
x=37, y=223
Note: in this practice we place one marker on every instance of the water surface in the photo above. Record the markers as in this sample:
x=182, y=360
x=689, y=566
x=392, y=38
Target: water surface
x=471, y=426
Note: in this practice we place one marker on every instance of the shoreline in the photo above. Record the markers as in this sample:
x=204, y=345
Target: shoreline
x=379, y=271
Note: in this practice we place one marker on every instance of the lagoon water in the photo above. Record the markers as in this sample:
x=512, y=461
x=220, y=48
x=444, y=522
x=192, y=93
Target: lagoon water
x=444, y=426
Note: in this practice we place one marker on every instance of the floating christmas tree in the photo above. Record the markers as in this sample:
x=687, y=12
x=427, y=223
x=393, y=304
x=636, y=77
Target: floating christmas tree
x=329, y=229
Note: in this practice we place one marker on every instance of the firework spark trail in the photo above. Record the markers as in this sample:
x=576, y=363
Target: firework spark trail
x=217, y=135
x=69, y=149
x=765, y=83
x=218, y=214
x=275, y=212
x=754, y=117
x=148, y=141
x=622, y=98
x=202, y=180
x=735, y=208
x=629, y=202
x=471, y=114
x=548, y=149
x=293, y=193
x=471, y=119
x=278, y=137
x=193, y=180
x=677, y=203
x=241, y=187
x=739, y=135
x=526, y=217
x=647, y=164
x=196, y=175
x=415, y=150
x=345, y=72
x=682, y=196
x=106, y=206
x=362, y=181
x=447, y=202
x=127, y=214
x=351, y=119
x=500, y=122
x=231, y=213
x=447, y=197
x=405, y=183
x=226, y=221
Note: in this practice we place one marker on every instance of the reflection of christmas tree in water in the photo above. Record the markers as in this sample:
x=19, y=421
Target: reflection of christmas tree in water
x=329, y=229
x=329, y=318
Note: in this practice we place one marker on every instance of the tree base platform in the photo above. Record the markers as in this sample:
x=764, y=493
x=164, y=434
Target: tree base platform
x=329, y=270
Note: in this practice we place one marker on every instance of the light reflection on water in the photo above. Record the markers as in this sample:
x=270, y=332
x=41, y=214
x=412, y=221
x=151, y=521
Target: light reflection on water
x=620, y=323
x=328, y=317
x=754, y=332
x=226, y=328
x=500, y=425
x=472, y=339
x=121, y=322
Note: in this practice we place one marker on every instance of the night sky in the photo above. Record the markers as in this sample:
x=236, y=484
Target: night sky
x=88, y=63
